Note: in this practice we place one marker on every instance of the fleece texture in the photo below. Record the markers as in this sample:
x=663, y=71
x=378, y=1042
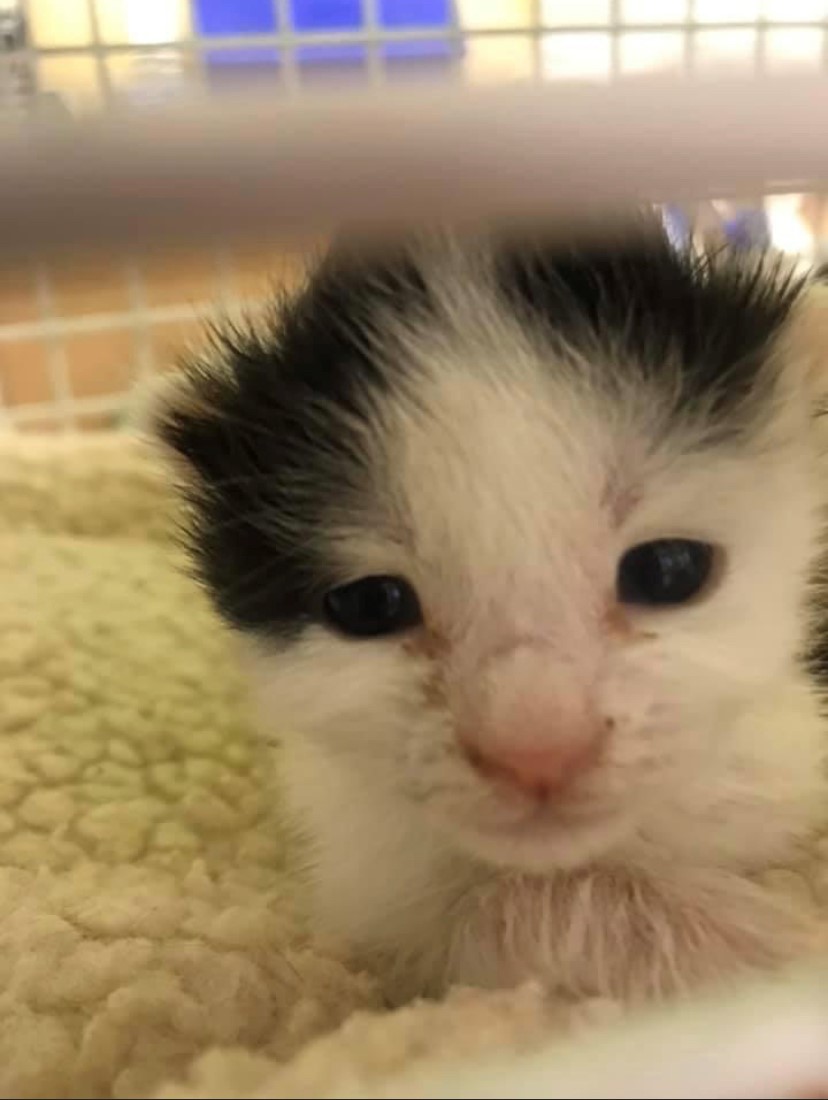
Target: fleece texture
x=151, y=941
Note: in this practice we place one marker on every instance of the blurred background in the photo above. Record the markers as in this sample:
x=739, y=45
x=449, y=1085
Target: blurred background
x=74, y=336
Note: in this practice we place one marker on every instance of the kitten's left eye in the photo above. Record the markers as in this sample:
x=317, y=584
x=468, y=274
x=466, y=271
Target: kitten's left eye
x=664, y=572
x=373, y=606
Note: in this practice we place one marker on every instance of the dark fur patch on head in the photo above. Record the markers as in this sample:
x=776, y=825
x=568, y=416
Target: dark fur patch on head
x=706, y=321
x=273, y=441
x=276, y=439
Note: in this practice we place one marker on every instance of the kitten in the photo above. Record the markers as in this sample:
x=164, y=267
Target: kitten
x=519, y=536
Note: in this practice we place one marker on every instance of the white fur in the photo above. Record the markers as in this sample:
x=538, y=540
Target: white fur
x=509, y=487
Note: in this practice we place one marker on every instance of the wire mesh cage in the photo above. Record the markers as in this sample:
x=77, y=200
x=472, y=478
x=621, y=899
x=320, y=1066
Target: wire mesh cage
x=76, y=334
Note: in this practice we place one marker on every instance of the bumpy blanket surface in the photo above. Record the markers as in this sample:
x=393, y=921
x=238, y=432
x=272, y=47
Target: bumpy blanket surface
x=150, y=942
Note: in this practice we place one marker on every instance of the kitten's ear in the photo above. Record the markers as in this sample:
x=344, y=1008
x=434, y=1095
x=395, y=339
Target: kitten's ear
x=179, y=414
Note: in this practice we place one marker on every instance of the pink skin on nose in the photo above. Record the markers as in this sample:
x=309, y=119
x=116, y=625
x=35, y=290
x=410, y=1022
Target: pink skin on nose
x=537, y=772
x=534, y=726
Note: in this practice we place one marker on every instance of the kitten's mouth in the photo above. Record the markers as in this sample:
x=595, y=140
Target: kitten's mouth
x=552, y=816
x=583, y=802
x=544, y=835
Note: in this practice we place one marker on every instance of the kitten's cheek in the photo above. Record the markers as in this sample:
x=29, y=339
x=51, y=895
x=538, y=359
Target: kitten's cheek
x=626, y=694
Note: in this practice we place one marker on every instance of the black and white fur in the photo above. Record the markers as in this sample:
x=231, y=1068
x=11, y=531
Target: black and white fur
x=497, y=418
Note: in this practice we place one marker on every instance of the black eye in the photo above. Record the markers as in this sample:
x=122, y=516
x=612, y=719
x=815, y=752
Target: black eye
x=666, y=571
x=373, y=606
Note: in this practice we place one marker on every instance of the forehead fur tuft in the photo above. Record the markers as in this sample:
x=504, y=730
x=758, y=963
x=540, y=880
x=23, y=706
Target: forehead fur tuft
x=276, y=423
x=703, y=321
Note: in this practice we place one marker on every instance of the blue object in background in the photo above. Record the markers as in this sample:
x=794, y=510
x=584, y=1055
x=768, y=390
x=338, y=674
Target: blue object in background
x=230, y=17
x=744, y=227
x=748, y=228
x=214, y=18
x=326, y=15
x=243, y=55
x=415, y=50
x=345, y=53
x=253, y=66
x=398, y=14
x=432, y=14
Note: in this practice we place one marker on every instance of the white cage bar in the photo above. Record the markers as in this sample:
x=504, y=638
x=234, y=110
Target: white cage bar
x=382, y=161
x=111, y=140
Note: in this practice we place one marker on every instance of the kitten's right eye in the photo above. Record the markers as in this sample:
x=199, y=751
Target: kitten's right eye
x=373, y=606
x=664, y=572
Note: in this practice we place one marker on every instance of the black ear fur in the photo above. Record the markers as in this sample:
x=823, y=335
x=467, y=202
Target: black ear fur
x=267, y=434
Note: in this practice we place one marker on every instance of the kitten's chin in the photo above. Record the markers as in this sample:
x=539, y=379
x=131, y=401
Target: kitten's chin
x=543, y=844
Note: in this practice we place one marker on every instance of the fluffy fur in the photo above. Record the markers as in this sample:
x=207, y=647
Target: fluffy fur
x=498, y=420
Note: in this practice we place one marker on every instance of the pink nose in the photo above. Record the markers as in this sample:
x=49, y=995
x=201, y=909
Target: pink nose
x=537, y=771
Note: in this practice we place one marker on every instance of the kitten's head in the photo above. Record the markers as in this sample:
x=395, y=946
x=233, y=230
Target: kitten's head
x=521, y=534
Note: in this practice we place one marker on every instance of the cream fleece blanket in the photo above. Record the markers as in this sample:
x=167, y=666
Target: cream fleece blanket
x=149, y=943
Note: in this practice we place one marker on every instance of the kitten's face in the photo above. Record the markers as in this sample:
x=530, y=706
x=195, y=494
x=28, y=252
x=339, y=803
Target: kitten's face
x=515, y=493
x=519, y=507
